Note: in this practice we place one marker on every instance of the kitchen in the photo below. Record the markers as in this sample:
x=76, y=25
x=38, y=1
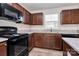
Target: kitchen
x=59, y=35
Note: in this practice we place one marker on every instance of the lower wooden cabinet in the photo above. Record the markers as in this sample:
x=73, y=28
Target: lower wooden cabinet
x=38, y=39
x=68, y=50
x=30, y=42
x=3, y=49
x=58, y=44
x=48, y=40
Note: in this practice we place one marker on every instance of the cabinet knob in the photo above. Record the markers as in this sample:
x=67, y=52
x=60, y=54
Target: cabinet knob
x=68, y=49
x=3, y=44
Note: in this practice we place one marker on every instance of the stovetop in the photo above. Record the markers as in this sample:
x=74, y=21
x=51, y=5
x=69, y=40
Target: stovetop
x=12, y=35
x=8, y=36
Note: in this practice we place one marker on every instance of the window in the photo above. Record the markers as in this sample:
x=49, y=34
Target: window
x=51, y=20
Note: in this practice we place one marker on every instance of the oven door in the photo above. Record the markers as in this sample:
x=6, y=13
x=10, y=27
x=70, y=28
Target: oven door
x=18, y=46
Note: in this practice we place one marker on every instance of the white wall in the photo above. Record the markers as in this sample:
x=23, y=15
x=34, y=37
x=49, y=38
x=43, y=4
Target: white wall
x=72, y=27
x=22, y=28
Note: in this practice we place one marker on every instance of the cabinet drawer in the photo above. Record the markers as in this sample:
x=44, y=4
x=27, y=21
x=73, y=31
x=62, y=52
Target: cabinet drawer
x=3, y=49
x=73, y=52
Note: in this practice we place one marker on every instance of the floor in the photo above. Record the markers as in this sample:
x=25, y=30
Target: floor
x=45, y=52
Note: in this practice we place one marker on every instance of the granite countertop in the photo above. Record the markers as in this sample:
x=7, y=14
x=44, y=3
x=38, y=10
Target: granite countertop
x=3, y=39
x=73, y=42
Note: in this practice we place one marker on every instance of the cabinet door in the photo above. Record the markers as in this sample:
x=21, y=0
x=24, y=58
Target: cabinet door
x=39, y=40
x=31, y=42
x=34, y=19
x=53, y=41
x=70, y=16
x=66, y=17
x=58, y=42
x=26, y=17
x=37, y=19
x=49, y=40
x=3, y=49
x=75, y=16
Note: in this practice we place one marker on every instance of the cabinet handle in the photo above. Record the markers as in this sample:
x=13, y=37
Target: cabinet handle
x=68, y=49
x=68, y=52
x=3, y=44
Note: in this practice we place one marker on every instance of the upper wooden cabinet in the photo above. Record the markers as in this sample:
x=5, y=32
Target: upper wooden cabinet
x=37, y=19
x=70, y=16
x=26, y=14
x=17, y=6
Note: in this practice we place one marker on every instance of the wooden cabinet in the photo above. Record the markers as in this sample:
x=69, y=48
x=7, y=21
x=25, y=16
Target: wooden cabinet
x=53, y=41
x=75, y=16
x=38, y=39
x=68, y=50
x=26, y=17
x=66, y=17
x=30, y=42
x=70, y=16
x=48, y=40
x=16, y=6
x=58, y=42
x=37, y=19
x=3, y=49
x=26, y=14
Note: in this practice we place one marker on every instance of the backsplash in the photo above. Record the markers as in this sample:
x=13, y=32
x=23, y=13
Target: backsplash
x=23, y=28
x=65, y=28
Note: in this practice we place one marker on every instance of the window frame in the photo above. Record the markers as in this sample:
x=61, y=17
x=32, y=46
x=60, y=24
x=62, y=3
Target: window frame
x=55, y=25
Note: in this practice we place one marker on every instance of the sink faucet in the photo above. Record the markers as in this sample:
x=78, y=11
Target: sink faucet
x=51, y=30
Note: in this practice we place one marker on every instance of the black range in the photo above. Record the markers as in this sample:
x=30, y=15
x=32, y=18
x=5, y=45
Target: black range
x=17, y=44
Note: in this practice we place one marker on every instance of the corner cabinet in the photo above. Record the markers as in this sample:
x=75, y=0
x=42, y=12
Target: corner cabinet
x=69, y=16
x=37, y=19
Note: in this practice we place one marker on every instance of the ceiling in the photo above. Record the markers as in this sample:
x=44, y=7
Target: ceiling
x=43, y=6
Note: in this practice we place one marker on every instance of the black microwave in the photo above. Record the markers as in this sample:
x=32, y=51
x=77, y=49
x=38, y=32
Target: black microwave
x=9, y=12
